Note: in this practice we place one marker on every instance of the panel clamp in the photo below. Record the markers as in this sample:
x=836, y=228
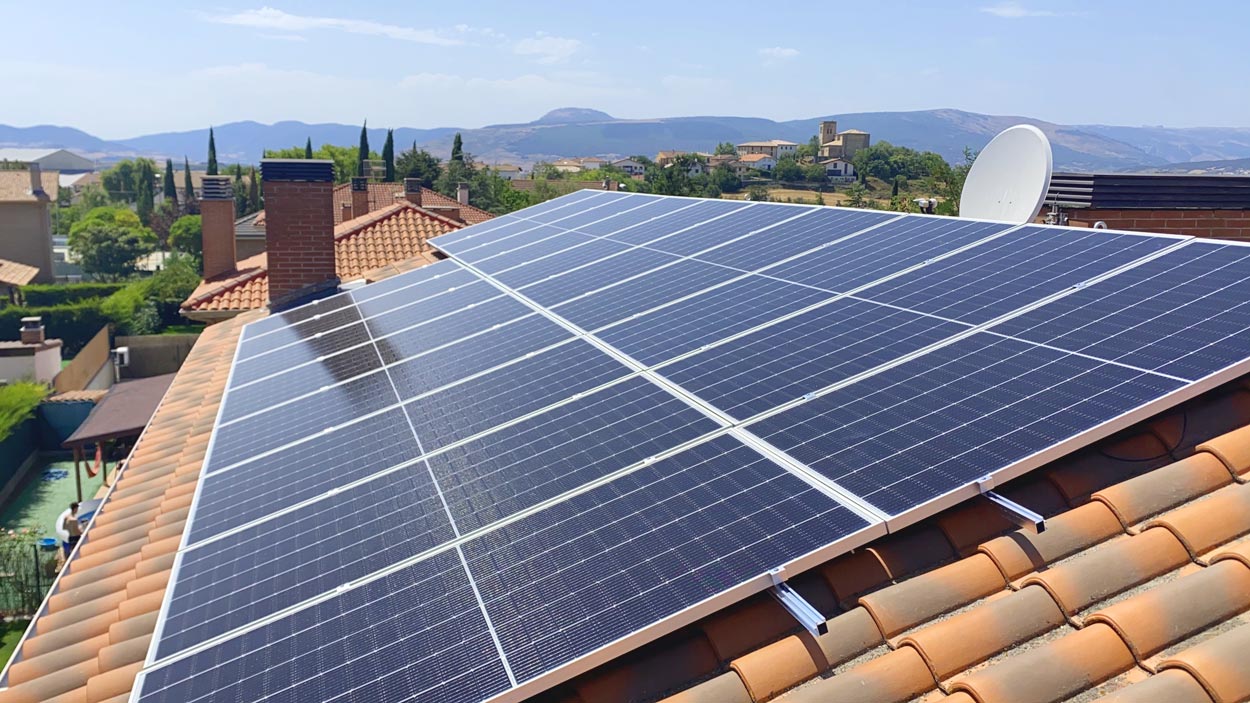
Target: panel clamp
x=1014, y=512
x=807, y=615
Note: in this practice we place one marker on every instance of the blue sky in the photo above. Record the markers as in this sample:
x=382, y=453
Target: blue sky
x=122, y=69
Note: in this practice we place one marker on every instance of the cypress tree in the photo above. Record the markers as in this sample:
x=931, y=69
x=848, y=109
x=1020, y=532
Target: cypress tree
x=457, y=149
x=308, y=148
x=212, y=153
x=171, y=191
x=363, y=155
x=253, y=192
x=388, y=156
x=238, y=172
x=188, y=187
x=143, y=191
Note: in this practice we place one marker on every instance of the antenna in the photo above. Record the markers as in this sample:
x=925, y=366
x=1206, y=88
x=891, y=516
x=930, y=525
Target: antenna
x=1009, y=179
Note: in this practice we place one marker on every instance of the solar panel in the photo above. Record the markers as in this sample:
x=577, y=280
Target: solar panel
x=611, y=414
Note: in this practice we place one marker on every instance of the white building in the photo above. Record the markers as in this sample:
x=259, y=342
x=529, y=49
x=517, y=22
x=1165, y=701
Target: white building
x=775, y=148
x=49, y=159
x=758, y=161
x=630, y=167
x=508, y=171
x=839, y=169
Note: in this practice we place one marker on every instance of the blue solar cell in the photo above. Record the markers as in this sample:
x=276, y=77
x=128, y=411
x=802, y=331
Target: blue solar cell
x=414, y=635
x=306, y=329
x=301, y=418
x=670, y=331
x=539, y=458
x=602, y=209
x=310, y=350
x=471, y=355
x=605, y=564
x=253, y=490
x=663, y=285
x=255, y=572
x=295, y=315
x=717, y=232
x=438, y=331
x=573, y=283
x=422, y=310
x=540, y=269
x=478, y=238
x=299, y=380
x=530, y=384
x=418, y=283
x=1186, y=313
x=655, y=207
x=701, y=211
x=537, y=250
x=539, y=235
x=917, y=431
x=821, y=227
x=600, y=201
x=1011, y=271
x=801, y=355
x=882, y=251
x=474, y=231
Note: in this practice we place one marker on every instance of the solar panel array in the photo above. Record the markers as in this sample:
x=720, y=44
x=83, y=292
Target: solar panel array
x=610, y=414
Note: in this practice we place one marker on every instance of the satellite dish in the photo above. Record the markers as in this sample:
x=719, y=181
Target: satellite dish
x=1009, y=179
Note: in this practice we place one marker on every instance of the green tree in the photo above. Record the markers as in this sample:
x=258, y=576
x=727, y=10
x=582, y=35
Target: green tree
x=894, y=190
x=814, y=173
x=809, y=151
x=188, y=188
x=253, y=192
x=726, y=149
x=346, y=158
x=418, y=163
x=457, y=149
x=239, y=191
x=170, y=191
x=145, y=182
x=162, y=219
x=388, y=156
x=857, y=195
x=758, y=194
x=787, y=169
x=212, y=153
x=362, y=154
x=725, y=180
x=109, y=241
x=186, y=235
x=119, y=181
x=546, y=171
x=308, y=152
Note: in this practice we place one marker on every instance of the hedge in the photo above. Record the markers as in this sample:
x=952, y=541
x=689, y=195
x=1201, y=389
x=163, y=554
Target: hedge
x=47, y=295
x=73, y=323
x=17, y=404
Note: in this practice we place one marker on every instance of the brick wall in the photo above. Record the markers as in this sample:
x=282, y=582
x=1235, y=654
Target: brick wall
x=1218, y=224
x=299, y=235
x=217, y=226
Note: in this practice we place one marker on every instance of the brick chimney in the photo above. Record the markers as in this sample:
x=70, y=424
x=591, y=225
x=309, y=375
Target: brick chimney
x=32, y=330
x=462, y=193
x=346, y=212
x=412, y=190
x=217, y=225
x=299, y=227
x=360, y=196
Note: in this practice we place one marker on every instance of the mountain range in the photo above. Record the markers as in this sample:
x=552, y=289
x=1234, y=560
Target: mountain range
x=570, y=132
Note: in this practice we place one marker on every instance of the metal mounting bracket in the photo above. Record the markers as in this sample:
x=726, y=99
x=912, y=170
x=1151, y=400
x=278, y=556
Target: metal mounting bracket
x=1015, y=512
x=807, y=615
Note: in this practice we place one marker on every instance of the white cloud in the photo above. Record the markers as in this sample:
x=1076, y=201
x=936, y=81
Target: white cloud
x=282, y=37
x=274, y=19
x=548, y=49
x=1014, y=10
x=778, y=53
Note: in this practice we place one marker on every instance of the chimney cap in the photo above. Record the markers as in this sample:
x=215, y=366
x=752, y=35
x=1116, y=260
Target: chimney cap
x=303, y=170
x=216, y=188
x=412, y=185
x=32, y=322
x=360, y=183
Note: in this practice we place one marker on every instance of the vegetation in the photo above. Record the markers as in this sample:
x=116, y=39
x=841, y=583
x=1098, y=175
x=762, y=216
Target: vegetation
x=188, y=188
x=418, y=163
x=308, y=152
x=27, y=575
x=10, y=634
x=47, y=294
x=346, y=158
x=186, y=236
x=169, y=190
x=109, y=242
x=726, y=149
x=212, y=153
x=362, y=154
x=17, y=404
x=388, y=156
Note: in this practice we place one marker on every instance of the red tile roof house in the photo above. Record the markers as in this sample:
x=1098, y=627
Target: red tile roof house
x=394, y=231
x=1138, y=590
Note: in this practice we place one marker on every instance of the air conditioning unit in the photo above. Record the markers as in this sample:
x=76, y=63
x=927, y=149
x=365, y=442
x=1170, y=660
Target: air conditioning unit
x=121, y=357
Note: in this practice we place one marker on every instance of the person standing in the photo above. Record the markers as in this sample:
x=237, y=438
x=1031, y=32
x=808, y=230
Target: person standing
x=70, y=524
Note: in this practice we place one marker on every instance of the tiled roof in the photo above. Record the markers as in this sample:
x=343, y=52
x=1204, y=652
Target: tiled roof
x=752, y=158
x=393, y=234
x=90, y=641
x=13, y=273
x=15, y=186
x=383, y=195
x=1139, y=589
x=76, y=397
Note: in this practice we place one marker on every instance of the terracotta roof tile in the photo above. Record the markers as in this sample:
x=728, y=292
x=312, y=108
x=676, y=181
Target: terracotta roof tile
x=363, y=247
x=726, y=688
x=668, y=665
x=1173, y=686
x=1205, y=524
x=13, y=273
x=911, y=550
x=1148, y=495
x=383, y=195
x=1024, y=551
x=1232, y=449
x=853, y=574
x=1219, y=664
x=1101, y=466
x=897, y=676
x=921, y=598
x=1196, y=422
x=1052, y=671
x=747, y=625
x=15, y=185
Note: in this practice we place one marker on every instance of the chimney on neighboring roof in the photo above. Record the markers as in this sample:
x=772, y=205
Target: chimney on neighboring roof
x=217, y=225
x=412, y=190
x=346, y=212
x=32, y=330
x=360, y=196
x=462, y=193
x=36, y=178
x=299, y=227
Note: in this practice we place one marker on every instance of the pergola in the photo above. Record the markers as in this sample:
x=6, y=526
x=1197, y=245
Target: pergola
x=121, y=414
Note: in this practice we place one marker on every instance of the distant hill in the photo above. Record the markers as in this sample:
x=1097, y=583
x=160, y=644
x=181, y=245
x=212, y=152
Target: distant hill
x=1239, y=167
x=574, y=131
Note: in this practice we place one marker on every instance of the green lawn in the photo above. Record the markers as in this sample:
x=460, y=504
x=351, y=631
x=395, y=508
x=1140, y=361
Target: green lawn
x=10, y=633
x=39, y=502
